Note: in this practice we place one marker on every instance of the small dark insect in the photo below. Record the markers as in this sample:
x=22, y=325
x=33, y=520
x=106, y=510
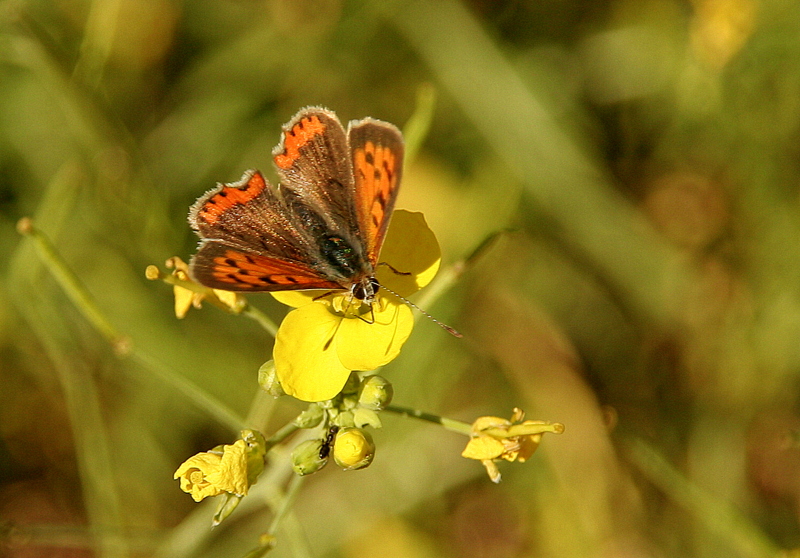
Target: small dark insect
x=325, y=450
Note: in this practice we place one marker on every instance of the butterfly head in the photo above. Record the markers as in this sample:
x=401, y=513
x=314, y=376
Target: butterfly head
x=365, y=289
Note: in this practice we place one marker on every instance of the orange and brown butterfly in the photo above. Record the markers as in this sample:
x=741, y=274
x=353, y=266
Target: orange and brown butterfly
x=321, y=228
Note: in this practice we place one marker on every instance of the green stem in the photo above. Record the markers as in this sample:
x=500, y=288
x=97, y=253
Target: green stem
x=70, y=283
x=83, y=301
x=449, y=424
x=255, y=314
x=283, y=433
x=286, y=503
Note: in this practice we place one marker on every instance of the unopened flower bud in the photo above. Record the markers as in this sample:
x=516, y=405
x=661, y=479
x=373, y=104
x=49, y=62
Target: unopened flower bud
x=311, y=417
x=353, y=449
x=268, y=379
x=306, y=457
x=376, y=393
x=227, y=503
x=256, y=453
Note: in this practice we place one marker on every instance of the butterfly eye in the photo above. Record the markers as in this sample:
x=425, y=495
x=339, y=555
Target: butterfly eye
x=366, y=289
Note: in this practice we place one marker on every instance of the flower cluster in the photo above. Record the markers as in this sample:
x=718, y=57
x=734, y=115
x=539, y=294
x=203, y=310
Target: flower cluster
x=325, y=350
x=342, y=421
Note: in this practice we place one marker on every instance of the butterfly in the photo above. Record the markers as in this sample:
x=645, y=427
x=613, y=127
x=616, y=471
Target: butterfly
x=324, y=224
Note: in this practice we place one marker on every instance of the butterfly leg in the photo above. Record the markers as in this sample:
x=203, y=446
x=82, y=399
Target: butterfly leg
x=346, y=308
x=395, y=270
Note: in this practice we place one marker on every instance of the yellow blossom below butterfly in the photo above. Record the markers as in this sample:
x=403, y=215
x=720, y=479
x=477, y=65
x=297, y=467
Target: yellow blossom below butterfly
x=227, y=469
x=495, y=438
x=323, y=339
x=211, y=473
x=186, y=298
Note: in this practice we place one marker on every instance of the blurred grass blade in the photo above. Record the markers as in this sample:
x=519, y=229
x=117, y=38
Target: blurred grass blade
x=719, y=517
x=557, y=174
x=417, y=127
x=98, y=40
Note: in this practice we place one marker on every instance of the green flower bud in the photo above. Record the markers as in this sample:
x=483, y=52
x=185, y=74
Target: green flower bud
x=306, y=457
x=268, y=379
x=376, y=393
x=344, y=419
x=353, y=449
x=227, y=503
x=311, y=417
x=256, y=453
x=366, y=417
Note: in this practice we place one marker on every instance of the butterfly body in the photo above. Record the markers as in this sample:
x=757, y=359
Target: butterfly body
x=321, y=228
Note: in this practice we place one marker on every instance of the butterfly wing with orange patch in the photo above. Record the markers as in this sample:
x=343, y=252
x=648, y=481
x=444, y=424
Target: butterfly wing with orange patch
x=221, y=266
x=313, y=161
x=250, y=241
x=377, y=154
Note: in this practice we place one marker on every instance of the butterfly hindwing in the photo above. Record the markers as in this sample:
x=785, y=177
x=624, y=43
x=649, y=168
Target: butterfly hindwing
x=221, y=266
x=377, y=154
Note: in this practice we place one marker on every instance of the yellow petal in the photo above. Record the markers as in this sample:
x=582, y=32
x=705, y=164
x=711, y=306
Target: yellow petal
x=483, y=448
x=353, y=448
x=528, y=445
x=231, y=474
x=366, y=346
x=410, y=247
x=228, y=298
x=183, y=300
x=491, y=468
x=193, y=475
x=296, y=299
x=306, y=360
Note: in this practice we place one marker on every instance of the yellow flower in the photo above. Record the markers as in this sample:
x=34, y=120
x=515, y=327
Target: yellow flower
x=320, y=342
x=215, y=472
x=495, y=438
x=186, y=298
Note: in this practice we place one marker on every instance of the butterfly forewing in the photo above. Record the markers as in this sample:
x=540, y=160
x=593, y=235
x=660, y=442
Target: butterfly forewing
x=377, y=154
x=313, y=161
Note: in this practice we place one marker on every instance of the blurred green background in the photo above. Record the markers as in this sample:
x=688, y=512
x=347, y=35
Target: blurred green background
x=641, y=160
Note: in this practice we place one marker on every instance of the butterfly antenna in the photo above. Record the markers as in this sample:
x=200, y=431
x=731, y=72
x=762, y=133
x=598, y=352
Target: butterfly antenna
x=445, y=327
